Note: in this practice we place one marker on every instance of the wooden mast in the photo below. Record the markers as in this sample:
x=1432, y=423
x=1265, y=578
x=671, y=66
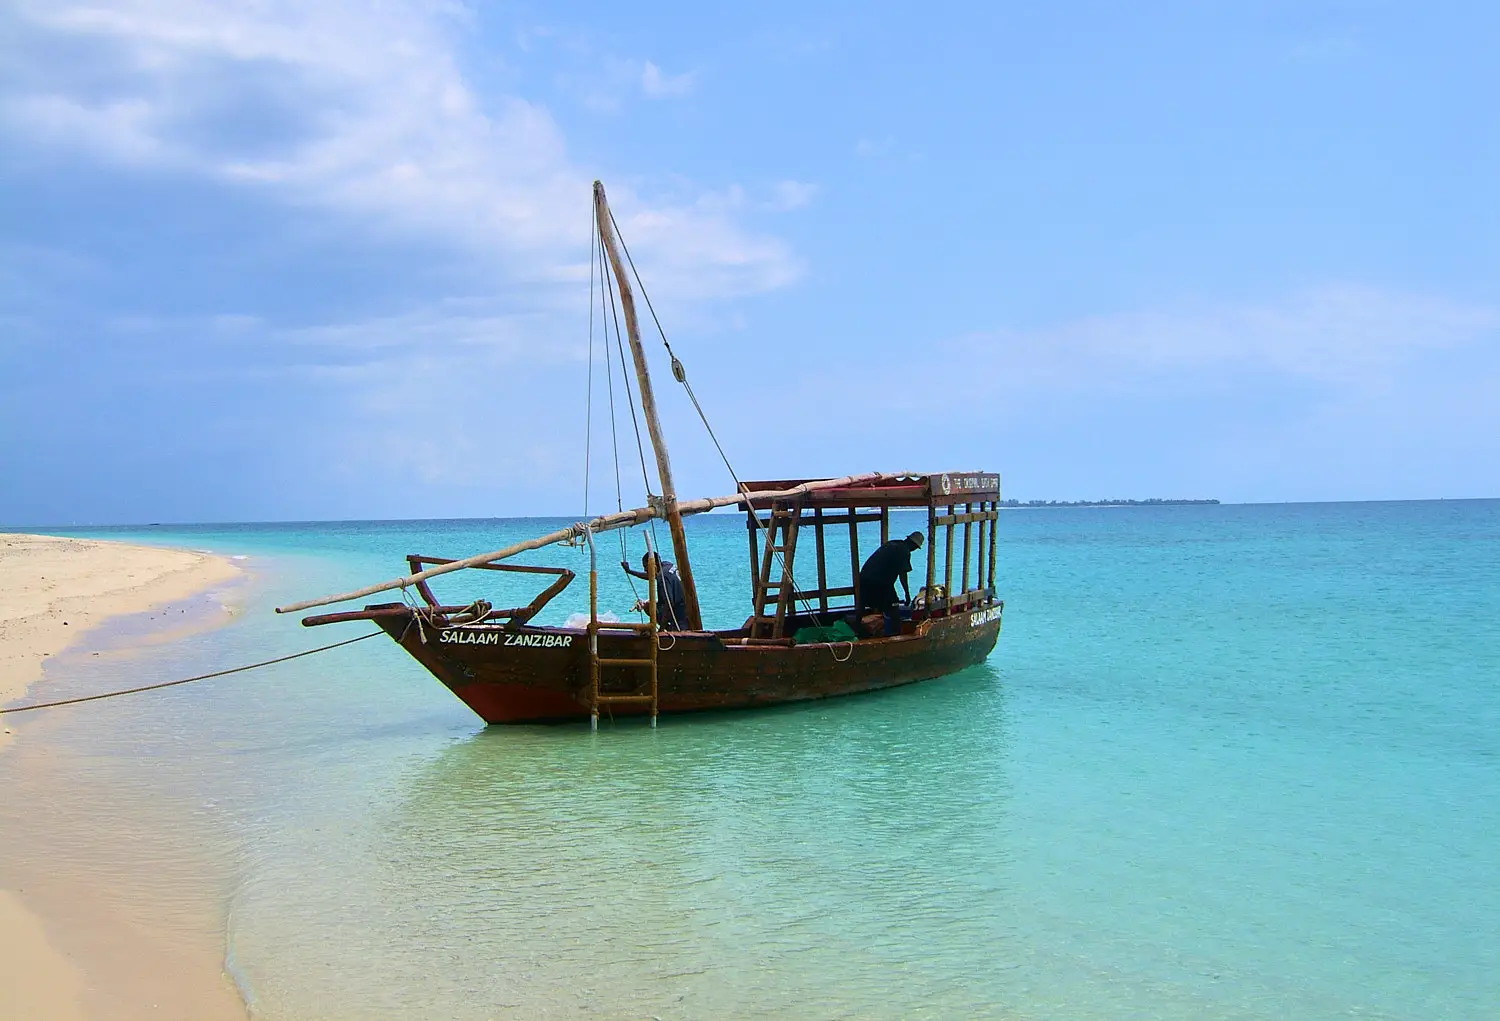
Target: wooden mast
x=648, y=407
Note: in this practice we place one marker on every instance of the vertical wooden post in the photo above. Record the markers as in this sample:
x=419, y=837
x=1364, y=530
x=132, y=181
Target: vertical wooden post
x=931, y=555
x=786, y=604
x=822, y=564
x=648, y=408
x=593, y=639
x=994, y=527
x=752, y=526
x=948, y=556
x=854, y=557
x=979, y=546
x=968, y=549
x=651, y=634
x=885, y=525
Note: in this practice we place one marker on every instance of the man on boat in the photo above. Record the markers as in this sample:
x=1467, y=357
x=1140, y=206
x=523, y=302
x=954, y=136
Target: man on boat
x=671, y=600
x=877, y=579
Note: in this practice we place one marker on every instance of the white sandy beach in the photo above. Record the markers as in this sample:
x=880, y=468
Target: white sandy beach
x=52, y=590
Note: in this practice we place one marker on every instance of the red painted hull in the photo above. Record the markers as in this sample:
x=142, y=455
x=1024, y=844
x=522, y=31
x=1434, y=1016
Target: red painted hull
x=535, y=675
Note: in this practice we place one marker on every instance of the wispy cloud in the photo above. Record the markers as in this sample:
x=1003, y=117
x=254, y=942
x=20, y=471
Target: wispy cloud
x=657, y=85
x=1334, y=340
x=788, y=195
x=362, y=109
x=1338, y=334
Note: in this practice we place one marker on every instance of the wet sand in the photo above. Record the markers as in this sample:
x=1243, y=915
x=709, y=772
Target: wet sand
x=66, y=952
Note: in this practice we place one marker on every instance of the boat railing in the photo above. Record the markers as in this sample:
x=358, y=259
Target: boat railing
x=516, y=615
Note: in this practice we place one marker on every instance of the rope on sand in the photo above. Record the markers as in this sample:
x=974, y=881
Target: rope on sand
x=188, y=680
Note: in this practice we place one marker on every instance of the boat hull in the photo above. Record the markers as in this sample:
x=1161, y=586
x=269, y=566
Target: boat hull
x=537, y=675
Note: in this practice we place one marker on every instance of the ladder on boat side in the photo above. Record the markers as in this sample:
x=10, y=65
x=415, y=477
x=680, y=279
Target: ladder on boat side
x=785, y=517
x=646, y=630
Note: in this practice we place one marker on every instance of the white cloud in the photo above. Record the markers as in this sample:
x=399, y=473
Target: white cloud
x=1334, y=342
x=362, y=108
x=789, y=195
x=657, y=85
x=1337, y=334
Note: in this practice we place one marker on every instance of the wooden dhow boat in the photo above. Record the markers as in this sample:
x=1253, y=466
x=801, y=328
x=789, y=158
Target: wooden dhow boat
x=799, y=642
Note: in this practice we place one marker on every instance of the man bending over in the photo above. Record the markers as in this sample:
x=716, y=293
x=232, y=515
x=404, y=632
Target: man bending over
x=877, y=579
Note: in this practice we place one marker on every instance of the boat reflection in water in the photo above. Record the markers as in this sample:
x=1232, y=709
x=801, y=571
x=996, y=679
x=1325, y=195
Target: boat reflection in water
x=774, y=863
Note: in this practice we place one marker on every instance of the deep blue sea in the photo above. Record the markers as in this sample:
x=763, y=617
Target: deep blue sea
x=1225, y=762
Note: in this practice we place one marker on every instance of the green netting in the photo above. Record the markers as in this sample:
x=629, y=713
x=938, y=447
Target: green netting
x=838, y=631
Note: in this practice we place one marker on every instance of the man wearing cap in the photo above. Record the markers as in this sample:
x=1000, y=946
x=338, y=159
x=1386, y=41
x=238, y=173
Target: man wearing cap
x=877, y=579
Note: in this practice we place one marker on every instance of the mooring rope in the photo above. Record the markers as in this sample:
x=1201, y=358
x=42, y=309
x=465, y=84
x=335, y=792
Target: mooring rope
x=188, y=680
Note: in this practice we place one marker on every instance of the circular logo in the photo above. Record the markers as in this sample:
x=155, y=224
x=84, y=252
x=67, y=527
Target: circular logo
x=947, y=485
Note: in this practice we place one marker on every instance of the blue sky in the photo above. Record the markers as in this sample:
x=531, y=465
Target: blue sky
x=281, y=260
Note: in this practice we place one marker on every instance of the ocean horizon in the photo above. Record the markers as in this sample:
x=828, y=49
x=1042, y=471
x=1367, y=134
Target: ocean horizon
x=104, y=530
x=1226, y=761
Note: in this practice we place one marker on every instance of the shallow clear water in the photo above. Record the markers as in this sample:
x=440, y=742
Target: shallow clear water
x=1225, y=762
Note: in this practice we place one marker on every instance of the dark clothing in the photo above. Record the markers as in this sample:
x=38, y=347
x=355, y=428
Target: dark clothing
x=877, y=579
x=671, y=599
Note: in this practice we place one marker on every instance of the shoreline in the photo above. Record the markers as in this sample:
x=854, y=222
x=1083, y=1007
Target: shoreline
x=54, y=592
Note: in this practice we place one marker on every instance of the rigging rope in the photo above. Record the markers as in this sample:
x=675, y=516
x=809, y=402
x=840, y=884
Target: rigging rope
x=188, y=680
x=679, y=373
x=640, y=446
x=606, y=296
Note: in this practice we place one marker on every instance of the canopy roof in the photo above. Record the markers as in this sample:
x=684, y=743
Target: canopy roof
x=903, y=490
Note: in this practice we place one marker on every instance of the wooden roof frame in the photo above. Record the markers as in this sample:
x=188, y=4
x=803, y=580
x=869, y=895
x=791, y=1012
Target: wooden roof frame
x=887, y=490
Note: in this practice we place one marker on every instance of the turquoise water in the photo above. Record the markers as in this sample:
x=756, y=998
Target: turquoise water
x=1225, y=762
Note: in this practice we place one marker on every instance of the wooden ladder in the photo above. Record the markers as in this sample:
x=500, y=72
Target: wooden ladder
x=785, y=516
x=597, y=663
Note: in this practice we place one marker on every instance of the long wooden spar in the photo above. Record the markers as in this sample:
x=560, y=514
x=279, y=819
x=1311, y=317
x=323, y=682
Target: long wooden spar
x=648, y=409
x=605, y=523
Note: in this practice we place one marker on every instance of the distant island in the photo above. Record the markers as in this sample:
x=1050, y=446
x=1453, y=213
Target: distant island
x=1154, y=502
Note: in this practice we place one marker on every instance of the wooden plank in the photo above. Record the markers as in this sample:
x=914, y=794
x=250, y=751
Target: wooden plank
x=788, y=563
x=796, y=595
x=415, y=562
x=885, y=525
x=931, y=556
x=903, y=497
x=993, y=529
x=841, y=519
x=960, y=519
x=414, y=559
x=854, y=557
x=968, y=548
x=831, y=593
x=752, y=523
x=822, y=562
x=948, y=557
x=594, y=642
x=979, y=547
x=765, y=565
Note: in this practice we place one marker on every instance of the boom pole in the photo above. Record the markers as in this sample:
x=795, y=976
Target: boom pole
x=648, y=407
x=607, y=523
